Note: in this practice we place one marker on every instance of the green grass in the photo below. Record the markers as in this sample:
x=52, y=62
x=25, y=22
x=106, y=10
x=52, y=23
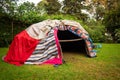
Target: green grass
x=78, y=67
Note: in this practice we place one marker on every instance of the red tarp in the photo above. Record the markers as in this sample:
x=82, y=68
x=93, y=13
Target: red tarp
x=20, y=49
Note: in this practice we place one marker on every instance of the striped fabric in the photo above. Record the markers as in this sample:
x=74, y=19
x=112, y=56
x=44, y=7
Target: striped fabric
x=45, y=50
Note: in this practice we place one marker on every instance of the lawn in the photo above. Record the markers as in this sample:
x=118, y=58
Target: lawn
x=106, y=66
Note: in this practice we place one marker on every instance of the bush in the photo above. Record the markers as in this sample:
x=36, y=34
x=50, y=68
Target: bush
x=61, y=17
x=19, y=24
x=96, y=30
x=117, y=35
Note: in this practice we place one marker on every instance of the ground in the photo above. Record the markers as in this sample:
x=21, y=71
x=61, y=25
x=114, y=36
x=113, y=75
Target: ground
x=106, y=66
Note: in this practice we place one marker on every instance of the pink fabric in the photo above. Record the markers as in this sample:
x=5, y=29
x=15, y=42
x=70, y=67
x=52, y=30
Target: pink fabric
x=57, y=43
x=58, y=59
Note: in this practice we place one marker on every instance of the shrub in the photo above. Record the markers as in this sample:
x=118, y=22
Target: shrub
x=96, y=30
x=117, y=35
x=61, y=17
x=19, y=24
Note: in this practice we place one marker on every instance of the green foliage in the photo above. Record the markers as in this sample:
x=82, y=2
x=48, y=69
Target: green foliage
x=100, y=11
x=112, y=18
x=31, y=17
x=26, y=7
x=61, y=17
x=41, y=7
x=6, y=34
x=96, y=31
x=73, y=7
x=117, y=35
x=17, y=19
x=5, y=30
x=50, y=6
x=7, y=5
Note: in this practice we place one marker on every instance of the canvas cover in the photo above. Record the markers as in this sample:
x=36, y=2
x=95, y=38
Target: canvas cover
x=39, y=44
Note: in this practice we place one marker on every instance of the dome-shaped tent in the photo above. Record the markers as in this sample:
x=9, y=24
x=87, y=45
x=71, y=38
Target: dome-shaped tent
x=40, y=42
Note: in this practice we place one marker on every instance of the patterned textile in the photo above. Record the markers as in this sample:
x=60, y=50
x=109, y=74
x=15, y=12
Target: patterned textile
x=45, y=50
x=83, y=34
x=86, y=37
x=40, y=29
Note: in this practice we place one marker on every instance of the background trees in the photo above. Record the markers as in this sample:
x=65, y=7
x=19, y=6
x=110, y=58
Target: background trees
x=50, y=6
x=101, y=17
x=7, y=16
x=73, y=7
x=14, y=18
x=112, y=19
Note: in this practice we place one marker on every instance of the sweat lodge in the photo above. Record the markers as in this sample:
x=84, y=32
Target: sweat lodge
x=41, y=42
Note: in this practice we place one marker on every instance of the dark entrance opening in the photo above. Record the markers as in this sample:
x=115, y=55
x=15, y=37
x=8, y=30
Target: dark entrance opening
x=72, y=42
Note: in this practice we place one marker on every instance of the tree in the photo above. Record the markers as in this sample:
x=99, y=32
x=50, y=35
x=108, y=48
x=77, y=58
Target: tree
x=15, y=18
x=41, y=7
x=25, y=11
x=96, y=8
x=100, y=11
x=8, y=8
x=50, y=6
x=5, y=5
x=7, y=17
x=112, y=17
x=117, y=35
x=25, y=7
x=73, y=7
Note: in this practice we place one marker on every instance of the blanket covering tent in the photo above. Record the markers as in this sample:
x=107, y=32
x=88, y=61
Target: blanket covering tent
x=39, y=44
